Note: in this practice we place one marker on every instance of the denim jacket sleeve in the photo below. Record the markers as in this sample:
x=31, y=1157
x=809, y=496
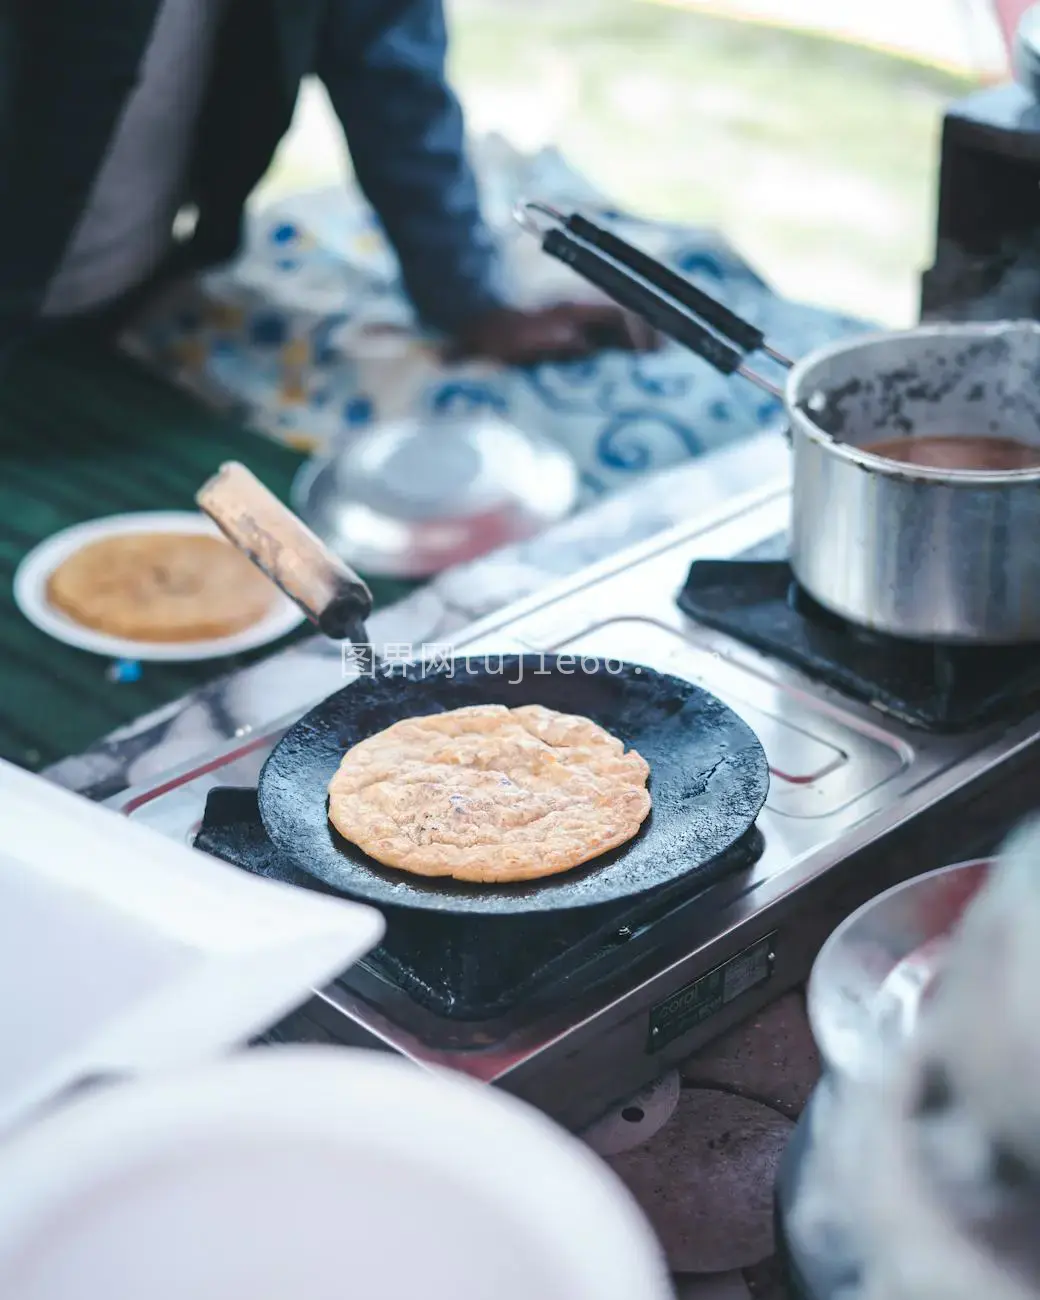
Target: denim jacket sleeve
x=383, y=65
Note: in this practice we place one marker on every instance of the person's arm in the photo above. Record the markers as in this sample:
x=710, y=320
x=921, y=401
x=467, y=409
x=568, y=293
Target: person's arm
x=383, y=65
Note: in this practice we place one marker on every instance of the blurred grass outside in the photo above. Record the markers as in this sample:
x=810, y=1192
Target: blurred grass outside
x=816, y=158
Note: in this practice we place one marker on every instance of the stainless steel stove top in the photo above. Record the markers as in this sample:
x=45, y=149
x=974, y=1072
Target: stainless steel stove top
x=858, y=801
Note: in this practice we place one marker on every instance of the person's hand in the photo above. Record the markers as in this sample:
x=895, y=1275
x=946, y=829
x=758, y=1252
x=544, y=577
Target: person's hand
x=566, y=332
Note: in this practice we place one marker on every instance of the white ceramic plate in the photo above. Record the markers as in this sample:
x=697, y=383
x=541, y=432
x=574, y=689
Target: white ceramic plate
x=318, y=1173
x=30, y=593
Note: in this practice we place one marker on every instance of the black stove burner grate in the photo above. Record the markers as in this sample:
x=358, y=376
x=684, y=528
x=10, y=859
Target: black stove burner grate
x=472, y=968
x=939, y=688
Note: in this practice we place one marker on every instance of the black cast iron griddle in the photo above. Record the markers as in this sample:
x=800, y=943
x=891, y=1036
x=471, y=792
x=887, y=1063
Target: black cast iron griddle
x=708, y=778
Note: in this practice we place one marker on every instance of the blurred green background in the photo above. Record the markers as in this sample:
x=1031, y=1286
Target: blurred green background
x=817, y=158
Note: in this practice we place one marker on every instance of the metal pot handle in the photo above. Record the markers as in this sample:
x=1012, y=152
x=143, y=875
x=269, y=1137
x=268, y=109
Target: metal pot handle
x=671, y=304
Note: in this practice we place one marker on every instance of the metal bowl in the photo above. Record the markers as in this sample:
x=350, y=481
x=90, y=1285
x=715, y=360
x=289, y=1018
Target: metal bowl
x=410, y=498
x=880, y=965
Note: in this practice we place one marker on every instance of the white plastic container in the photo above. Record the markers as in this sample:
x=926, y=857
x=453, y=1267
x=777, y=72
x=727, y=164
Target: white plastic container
x=124, y=953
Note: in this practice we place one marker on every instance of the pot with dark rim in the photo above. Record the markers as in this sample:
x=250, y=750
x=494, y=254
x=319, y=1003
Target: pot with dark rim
x=944, y=555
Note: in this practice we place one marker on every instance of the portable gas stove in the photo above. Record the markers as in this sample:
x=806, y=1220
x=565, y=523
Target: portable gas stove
x=885, y=762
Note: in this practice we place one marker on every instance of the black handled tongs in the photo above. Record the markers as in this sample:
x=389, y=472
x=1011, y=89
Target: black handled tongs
x=648, y=288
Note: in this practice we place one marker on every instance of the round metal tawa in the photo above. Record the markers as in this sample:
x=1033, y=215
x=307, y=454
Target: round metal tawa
x=880, y=965
x=411, y=498
x=708, y=779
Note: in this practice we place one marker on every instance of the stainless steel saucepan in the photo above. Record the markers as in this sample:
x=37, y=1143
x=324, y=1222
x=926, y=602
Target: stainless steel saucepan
x=940, y=555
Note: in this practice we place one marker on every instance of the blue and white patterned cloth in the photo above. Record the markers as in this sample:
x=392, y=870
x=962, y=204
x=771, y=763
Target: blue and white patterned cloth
x=309, y=334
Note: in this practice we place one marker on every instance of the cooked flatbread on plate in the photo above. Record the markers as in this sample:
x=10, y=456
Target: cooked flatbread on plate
x=489, y=794
x=161, y=587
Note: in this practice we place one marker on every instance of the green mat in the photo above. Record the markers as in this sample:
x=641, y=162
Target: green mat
x=85, y=433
